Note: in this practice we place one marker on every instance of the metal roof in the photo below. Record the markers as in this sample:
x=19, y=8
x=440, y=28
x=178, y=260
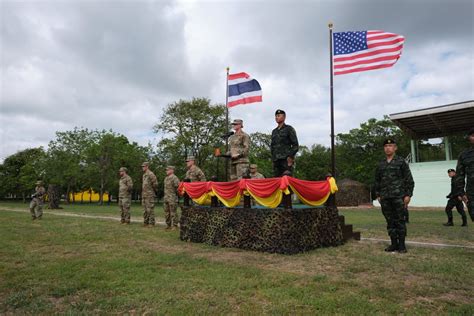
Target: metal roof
x=439, y=121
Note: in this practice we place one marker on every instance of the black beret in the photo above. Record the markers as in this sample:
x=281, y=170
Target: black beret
x=451, y=170
x=471, y=131
x=280, y=112
x=389, y=141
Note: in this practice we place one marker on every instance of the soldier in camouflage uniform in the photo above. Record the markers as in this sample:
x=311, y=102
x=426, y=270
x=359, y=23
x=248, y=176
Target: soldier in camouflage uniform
x=284, y=146
x=393, y=189
x=125, y=195
x=171, y=198
x=149, y=187
x=454, y=201
x=465, y=175
x=254, y=174
x=194, y=173
x=239, y=144
x=36, y=204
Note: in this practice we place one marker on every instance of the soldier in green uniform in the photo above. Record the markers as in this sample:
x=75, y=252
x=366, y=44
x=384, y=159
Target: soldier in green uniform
x=254, y=174
x=465, y=175
x=239, y=144
x=37, y=201
x=454, y=201
x=125, y=195
x=149, y=187
x=194, y=173
x=284, y=146
x=171, y=198
x=393, y=189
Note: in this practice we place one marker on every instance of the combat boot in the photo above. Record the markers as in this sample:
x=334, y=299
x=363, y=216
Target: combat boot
x=450, y=222
x=394, y=246
x=464, y=221
x=401, y=245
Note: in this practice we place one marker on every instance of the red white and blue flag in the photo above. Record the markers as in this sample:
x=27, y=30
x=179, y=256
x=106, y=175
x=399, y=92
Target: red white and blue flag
x=243, y=89
x=365, y=50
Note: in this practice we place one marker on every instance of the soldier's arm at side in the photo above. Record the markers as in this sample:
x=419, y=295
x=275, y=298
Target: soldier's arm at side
x=377, y=182
x=244, y=151
x=409, y=184
x=294, y=143
x=154, y=182
x=202, y=176
x=460, y=177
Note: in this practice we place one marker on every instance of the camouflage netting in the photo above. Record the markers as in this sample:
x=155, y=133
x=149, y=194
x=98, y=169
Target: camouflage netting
x=352, y=193
x=269, y=230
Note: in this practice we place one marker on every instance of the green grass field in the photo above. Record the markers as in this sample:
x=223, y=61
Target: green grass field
x=73, y=265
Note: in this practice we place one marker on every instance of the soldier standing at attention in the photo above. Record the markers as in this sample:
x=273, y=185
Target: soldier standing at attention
x=465, y=175
x=394, y=188
x=453, y=201
x=149, y=186
x=171, y=198
x=239, y=144
x=284, y=146
x=194, y=173
x=36, y=204
x=125, y=195
x=254, y=174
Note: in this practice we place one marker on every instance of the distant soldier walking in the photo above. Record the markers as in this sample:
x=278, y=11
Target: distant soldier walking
x=239, y=144
x=454, y=201
x=254, y=174
x=465, y=175
x=36, y=204
x=284, y=146
x=394, y=188
x=149, y=187
x=194, y=173
x=125, y=195
x=171, y=198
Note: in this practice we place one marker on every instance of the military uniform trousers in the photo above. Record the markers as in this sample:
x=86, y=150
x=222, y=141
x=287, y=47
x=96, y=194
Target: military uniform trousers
x=124, y=205
x=170, y=213
x=454, y=202
x=393, y=210
x=238, y=170
x=470, y=205
x=148, y=204
x=280, y=166
x=36, y=208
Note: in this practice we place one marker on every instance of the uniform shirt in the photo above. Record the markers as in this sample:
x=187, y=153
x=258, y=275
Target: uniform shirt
x=125, y=186
x=194, y=174
x=171, y=188
x=465, y=172
x=40, y=191
x=256, y=175
x=393, y=179
x=239, y=143
x=284, y=143
x=452, y=194
x=149, y=184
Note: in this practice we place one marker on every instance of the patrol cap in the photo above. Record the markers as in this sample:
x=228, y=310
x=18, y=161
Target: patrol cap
x=190, y=158
x=237, y=122
x=471, y=131
x=280, y=112
x=123, y=169
x=389, y=141
x=169, y=167
x=146, y=163
x=253, y=166
x=39, y=182
x=451, y=170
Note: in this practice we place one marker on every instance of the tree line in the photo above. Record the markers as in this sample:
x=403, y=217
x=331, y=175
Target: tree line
x=83, y=159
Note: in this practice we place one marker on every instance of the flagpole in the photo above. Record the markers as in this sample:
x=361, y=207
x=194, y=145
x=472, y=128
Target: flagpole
x=333, y=155
x=227, y=123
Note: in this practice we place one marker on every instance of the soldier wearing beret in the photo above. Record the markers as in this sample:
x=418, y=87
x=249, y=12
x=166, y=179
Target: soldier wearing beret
x=125, y=195
x=284, y=146
x=37, y=201
x=454, y=201
x=239, y=144
x=194, y=173
x=465, y=175
x=171, y=198
x=149, y=187
x=394, y=188
x=254, y=174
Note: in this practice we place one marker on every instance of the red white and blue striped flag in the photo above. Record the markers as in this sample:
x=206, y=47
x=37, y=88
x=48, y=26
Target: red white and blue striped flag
x=365, y=50
x=243, y=89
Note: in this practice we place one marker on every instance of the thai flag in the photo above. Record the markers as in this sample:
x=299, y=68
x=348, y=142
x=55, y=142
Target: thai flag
x=243, y=89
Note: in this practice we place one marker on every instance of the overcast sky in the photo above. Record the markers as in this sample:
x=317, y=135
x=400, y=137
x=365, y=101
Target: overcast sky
x=117, y=64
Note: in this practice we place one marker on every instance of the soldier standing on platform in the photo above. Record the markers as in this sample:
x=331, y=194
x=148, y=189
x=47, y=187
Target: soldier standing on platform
x=454, y=201
x=149, y=187
x=254, y=174
x=394, y=188
x=36, y=204
x=194, y=173
x=465, y=175
x=171, y=198
x=239, y=144
x=284, y=146
x=125, y=195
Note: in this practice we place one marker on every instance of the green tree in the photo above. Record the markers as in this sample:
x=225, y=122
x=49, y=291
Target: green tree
x=313, y=163
x=260, y=153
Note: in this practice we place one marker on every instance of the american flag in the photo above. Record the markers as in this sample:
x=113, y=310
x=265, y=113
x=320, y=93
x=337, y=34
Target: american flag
x=365, y=50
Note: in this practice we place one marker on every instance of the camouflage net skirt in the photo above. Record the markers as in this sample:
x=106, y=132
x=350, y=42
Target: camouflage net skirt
x=286, y=231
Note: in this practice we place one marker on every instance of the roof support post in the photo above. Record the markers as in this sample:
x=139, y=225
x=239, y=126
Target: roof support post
x=447, y=148
x=413, y=150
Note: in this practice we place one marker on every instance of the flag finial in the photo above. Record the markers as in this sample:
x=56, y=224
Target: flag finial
x=330, y=25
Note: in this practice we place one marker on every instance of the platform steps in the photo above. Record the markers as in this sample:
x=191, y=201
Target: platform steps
x=347, y=230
